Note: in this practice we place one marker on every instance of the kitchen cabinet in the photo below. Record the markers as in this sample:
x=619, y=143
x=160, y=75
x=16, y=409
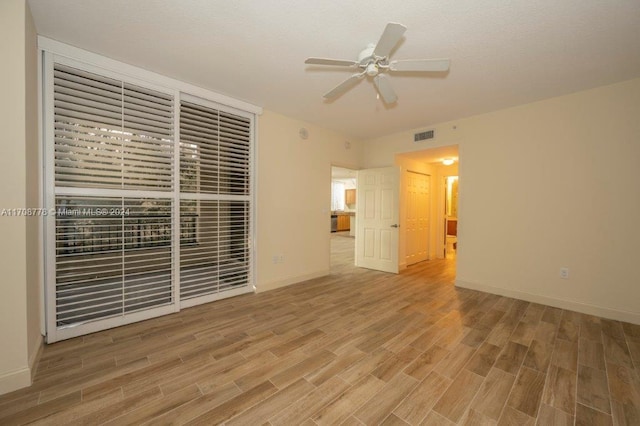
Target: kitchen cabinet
x=343, y=222
x=350, y=196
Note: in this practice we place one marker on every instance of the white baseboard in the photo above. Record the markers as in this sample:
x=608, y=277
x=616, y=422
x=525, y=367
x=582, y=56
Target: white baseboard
x=35, y=356
x=283, y=282
x=585, y=308
x=14, y=380
x=22, y=377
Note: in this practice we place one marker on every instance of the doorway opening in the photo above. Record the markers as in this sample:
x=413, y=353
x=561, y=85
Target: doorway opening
x=342, y=209
x=432, y=208
x=450, y=216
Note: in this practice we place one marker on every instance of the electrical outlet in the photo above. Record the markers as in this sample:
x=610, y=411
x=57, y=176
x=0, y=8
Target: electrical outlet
x=564, y=273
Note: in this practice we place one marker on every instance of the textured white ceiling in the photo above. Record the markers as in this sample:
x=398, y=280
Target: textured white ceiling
x=503, y=53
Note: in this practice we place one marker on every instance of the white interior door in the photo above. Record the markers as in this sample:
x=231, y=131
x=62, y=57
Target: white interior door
x=417, y=223
x=377, y=219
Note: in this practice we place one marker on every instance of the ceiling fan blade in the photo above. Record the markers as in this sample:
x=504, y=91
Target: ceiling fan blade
x=390, y=37
x=343, y=87
x=384, y=88
x=325, y=61
x=419, y=65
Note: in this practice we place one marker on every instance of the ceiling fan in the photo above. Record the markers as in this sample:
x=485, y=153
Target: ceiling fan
x=374, y=62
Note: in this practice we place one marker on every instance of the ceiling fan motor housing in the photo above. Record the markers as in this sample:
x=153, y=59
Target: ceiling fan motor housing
x=366, y=55
x=372, y=69
x=369, y=61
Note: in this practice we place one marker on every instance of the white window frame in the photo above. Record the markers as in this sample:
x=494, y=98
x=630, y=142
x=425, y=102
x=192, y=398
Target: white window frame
x=52, y=52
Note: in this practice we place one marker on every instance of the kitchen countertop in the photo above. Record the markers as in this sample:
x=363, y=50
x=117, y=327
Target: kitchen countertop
x=342, y=213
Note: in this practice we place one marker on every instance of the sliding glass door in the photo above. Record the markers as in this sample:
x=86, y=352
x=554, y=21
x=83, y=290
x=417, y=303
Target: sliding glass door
x=215, y=159
x=149, y=195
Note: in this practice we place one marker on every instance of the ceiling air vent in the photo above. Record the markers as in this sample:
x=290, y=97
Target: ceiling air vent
x=423, y=136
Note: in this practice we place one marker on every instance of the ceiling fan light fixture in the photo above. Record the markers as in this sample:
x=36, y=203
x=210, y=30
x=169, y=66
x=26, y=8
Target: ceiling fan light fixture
x=448, y=161
x=374, y=62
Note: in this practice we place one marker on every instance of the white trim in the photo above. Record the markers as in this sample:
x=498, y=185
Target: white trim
x=272, y=285
x=213, y=104
x=175, y=252
x=49, y=241
x=15, y=380
x=76, y=330
x=118, y=193
x=41, y=195
x=586, y=308
x=214, y=197
x=195, y=301
x=253, y=205
x=131, y=71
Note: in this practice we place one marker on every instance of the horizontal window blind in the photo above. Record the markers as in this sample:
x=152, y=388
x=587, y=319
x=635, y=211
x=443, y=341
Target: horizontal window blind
x=215, y=225
x=110, y=134
x=214, y=151
x=113, y=256
x=214, y=252
x=145, y=222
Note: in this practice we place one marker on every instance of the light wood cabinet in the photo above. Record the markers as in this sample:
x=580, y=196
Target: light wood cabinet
x=343, y=222
x=350, y=196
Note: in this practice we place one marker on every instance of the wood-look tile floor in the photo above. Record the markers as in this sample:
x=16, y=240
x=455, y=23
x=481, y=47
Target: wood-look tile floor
x=356, y=347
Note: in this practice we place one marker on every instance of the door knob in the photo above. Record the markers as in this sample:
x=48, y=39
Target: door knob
x=395, y=225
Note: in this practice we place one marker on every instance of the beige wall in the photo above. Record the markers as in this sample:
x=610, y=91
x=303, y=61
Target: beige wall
x=33, y=197
x=19, y=301
x=294, y=193
x=547, y=185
